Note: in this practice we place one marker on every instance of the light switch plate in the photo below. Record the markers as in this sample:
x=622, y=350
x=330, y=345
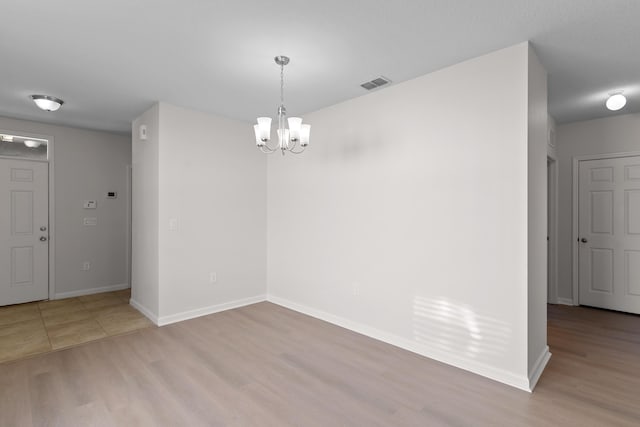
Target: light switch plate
x=90, y=204
x=90, y=221
x=142, y=132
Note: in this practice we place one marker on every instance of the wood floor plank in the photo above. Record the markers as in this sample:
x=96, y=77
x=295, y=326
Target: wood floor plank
x=265, y=365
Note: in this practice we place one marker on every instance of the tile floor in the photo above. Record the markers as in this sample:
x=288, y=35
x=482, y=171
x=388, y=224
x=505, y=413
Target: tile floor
x=39, y=327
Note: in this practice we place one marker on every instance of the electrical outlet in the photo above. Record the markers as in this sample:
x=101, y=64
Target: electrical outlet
x=86, y=266
x=213, y=277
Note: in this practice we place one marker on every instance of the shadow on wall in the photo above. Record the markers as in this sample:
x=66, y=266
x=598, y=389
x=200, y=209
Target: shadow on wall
x=355, y=142
x=455, y=328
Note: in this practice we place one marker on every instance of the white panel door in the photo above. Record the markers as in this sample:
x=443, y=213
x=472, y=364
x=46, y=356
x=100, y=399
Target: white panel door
x=24, y=235
x=609, y=227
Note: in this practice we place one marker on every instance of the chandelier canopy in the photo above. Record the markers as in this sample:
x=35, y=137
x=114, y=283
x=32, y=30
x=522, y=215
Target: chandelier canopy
x=293, y=139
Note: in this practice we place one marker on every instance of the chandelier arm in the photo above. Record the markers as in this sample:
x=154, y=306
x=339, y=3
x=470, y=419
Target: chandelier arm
x=298, y=152
x=268, y=149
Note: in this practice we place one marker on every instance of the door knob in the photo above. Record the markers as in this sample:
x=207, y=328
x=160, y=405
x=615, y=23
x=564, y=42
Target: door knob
x=583, y=240
x=43, y=228
x=43, y=239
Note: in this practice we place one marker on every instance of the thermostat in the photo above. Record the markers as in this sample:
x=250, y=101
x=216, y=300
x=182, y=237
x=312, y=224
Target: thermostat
x=112, y=195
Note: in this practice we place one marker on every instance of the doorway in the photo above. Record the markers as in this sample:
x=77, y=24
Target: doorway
x=607, y=231
x=25, y=219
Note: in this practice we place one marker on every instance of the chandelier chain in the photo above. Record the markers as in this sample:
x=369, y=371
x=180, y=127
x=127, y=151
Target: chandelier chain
x=282, y=84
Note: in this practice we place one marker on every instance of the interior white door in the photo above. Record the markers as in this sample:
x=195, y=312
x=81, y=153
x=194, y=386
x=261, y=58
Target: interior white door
x=609, y=227
x=24, y=231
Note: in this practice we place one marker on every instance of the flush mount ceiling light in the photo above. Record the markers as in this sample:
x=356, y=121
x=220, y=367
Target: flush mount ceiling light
x=616, y=101
x=32, y=144
x=294, y=139
x=47, y=103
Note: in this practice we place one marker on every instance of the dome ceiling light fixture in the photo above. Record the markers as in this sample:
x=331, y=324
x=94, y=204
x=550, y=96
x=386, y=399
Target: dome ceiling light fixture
x=31, y=143
x=46, y=102
x=288, y=139
x=616, y=101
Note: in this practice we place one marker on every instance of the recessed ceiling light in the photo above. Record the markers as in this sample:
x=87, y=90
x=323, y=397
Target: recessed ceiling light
x=47, y=103
x=616, y=101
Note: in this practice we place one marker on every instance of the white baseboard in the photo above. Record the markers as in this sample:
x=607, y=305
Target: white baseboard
x=186, y=315
x=81, y=292
x=144, y=310
x=539, y=366
x=564, y=301
x=509, y=378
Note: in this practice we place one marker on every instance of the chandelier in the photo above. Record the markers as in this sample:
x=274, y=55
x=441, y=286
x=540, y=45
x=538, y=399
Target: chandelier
x=293, y=139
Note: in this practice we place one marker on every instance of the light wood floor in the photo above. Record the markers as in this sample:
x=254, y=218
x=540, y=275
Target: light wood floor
x=40, y=327
x=268, y=366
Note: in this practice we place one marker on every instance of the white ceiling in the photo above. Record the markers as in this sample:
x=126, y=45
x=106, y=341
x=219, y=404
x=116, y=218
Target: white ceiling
x=110, y=60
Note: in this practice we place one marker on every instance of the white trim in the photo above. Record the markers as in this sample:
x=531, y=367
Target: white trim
x=565, y=301
x=575, y=217
x=552, y=229
x=52, y=220
x=144, y=310
x=575, y=284
x=91, y=291
x=52, y=199
x=190, y=314
x=509, y=378
x=129, y=203
x=538, y=367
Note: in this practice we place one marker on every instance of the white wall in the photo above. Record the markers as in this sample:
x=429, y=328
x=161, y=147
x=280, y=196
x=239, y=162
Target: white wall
x=601, y=136
x=145, y=285
x=406, y=219
x=537, y=220
x=87, y=165
x=212, y=180
x=205, y=173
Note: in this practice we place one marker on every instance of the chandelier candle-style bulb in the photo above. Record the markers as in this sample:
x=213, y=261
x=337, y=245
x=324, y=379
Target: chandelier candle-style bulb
x=293, y=139
x=294, y=127
x=264, y=126
x=284, y=138
x=305, y=131
x=259, y=141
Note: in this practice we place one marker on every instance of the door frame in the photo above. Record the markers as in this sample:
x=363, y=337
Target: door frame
x=52, y=210
x=129, y=169
x=552, y=227
x=575, y=268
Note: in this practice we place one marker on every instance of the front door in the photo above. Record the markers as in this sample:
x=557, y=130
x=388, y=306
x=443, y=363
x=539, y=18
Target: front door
x=609, y=233
x=24, y=231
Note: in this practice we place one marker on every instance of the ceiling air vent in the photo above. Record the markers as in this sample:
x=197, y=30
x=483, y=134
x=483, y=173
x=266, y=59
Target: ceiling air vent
x=376, y=83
